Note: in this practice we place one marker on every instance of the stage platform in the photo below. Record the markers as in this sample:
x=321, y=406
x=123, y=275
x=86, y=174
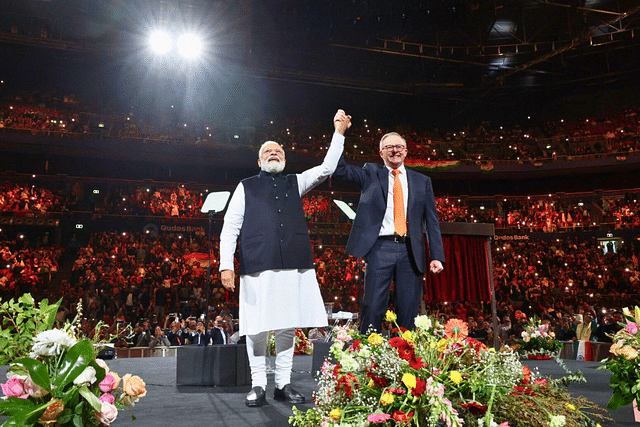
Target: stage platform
x=169, y=405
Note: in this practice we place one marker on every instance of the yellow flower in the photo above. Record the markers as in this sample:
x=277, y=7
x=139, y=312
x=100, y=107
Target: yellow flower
x=409, y=380
x=615, y=349
x=570, y=407
x=335, y=414
x=408, y=336
x=456, y=377
x=442, y=344
x=492, y=350
x=390, y=316
x=371, y=383
x=629, y=352
x=386, y=399
x=432, y=344
x=375, y=339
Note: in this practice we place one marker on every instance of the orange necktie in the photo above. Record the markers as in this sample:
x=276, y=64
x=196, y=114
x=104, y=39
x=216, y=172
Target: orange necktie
x=399, y=221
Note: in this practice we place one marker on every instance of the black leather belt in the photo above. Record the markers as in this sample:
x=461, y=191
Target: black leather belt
x=394, y=238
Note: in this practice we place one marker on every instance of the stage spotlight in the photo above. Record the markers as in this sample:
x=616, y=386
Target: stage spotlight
x=189, y=46
x=160, y=42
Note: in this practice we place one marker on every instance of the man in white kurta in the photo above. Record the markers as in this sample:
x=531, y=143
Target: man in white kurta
x=286, y=297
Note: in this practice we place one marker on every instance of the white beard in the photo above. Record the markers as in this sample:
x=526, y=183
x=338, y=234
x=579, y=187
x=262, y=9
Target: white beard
x=272, y=167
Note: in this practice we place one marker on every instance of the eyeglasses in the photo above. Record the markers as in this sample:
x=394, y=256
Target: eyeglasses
x=394, y=147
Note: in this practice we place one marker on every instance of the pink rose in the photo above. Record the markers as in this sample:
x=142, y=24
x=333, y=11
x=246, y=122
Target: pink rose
x=107, y=414
x=109, y=383
x=14, y=387
x=632, y=328
x=107, y=397
x=34, y=389
x=504, y=424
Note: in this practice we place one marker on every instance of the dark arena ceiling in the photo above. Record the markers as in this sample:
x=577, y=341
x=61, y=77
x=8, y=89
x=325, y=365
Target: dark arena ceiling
x=507, y=56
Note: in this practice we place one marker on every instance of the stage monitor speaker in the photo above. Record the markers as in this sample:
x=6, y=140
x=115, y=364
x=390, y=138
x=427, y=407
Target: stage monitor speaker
x=213, y=365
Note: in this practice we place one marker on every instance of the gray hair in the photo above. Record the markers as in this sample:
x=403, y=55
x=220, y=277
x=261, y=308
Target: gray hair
x=387, y=135
x=269, y=142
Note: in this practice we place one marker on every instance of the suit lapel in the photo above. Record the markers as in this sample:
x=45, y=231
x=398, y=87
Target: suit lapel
x=409, y=198
x=383, y=175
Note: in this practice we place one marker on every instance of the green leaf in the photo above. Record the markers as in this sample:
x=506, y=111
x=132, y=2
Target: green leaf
x=48, y=313
x=100, y=372
x=76, y=360
x=14, y=405
x=27, y=416
x=37, y=371
x=91, y=398
x=77, y=421
x=26, y=299
x=618, y=400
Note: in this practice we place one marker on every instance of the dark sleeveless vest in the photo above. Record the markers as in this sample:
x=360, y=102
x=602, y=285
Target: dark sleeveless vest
x=274, y=233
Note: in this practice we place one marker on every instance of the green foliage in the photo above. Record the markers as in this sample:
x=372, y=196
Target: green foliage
x=21, y=321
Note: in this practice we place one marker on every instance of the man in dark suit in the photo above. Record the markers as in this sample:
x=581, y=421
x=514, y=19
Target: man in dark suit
x=396, y=212
x=218, y=334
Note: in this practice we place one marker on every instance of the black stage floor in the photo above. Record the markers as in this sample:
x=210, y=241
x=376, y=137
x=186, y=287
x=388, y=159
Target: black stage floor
x=169, y=405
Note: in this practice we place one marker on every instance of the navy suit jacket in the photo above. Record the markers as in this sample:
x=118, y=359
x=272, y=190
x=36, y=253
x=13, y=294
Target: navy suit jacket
x=422, y=216
x=216, y=336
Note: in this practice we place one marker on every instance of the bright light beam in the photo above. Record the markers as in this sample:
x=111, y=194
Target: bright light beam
x=189, y=46
x=160, y=42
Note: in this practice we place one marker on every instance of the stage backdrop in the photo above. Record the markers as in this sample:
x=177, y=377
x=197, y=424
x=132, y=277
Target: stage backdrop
x=465, y=276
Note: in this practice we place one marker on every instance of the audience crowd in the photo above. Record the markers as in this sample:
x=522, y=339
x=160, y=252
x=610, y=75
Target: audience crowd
x=614, y=134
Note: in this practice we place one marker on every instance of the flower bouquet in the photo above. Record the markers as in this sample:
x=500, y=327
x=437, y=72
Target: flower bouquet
x=623, y=364
x=62, y=383
x=538, y=342
x=434, y=376
x=302, y=343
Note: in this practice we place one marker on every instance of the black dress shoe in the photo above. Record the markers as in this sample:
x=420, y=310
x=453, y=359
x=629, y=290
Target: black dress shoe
x=255, y=397
x=288, y=394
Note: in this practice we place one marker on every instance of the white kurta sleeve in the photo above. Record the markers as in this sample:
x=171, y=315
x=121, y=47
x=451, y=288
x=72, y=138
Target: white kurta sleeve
x=233, y=220
x=310, y=178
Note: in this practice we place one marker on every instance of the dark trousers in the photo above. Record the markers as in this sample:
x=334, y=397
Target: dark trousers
x=390, y=261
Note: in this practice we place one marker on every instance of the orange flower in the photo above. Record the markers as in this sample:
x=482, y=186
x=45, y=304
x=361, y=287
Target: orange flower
x=134, y=386
x=50, y=415
x=456, y=329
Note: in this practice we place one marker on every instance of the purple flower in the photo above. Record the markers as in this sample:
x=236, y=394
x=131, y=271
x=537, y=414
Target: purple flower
x=632, y=328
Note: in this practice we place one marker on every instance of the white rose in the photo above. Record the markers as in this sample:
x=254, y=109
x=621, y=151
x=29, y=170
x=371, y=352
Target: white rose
x=103, y=365
x=107, y=414
x=87, y=376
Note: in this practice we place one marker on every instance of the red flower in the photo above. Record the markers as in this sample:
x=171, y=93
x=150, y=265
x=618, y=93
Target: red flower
x=399, y=391
x=475, y=344
x=355, y=346
x=420, y=388
x=527, y=375
x=377, y=380
x=402, y=416
x=541, y=381
x=523, y=390
x=348, y=381
x=415, y=362
x=406, y=352
x=475, y=408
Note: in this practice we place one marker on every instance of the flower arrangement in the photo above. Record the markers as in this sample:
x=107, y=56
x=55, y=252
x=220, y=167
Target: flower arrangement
x=623, y=363
x=434, y=376
x=303, y=345
x=62, y=383
x=537, y=341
